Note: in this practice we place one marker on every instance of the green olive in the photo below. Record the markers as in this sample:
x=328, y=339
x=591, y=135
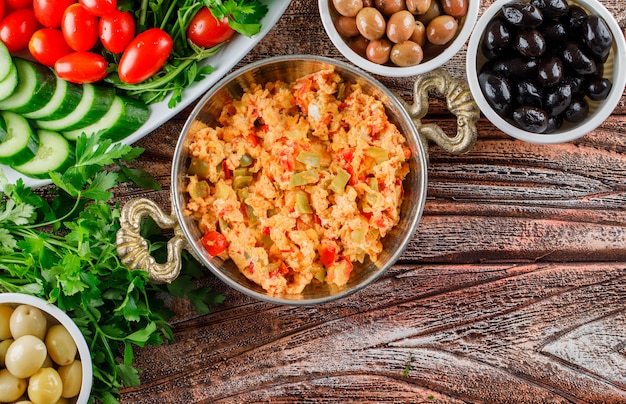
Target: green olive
x=400, y=26
x=378, y=51
x=419, y=33
x=455, y=8
x=434, y=10
x=389, y=7
x=11, y=387
x=4, y=345
x=28, y=320
x=359, y=45
x=346, y=26
x=5, y=318
x=25, y=356
x=418, y=7
x=406, y=53
x=442, y=29
x=72, y=378
x=348, y=8
x=61, y=346
x=45, y=386
x=371, y=23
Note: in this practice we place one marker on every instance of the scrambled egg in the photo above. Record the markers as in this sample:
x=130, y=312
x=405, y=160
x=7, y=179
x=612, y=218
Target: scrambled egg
x=303, y=179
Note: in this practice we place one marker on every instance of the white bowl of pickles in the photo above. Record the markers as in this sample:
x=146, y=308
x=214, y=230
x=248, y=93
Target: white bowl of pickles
x=44, y=356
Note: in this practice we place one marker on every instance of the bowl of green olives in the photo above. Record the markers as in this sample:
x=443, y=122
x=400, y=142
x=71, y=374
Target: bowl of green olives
x=398, y=38
x=44, y=357
x=547, y=71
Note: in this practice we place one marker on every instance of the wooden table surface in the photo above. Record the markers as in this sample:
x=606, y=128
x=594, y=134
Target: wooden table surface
x=513, y=288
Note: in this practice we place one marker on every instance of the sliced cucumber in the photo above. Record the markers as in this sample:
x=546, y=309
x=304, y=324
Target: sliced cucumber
x=64, y=100
x=20, y=143
x=9, y=83
x=94, y=103
x=35, y=86
x=54, y=154
x=5, y=61
x=124, y=117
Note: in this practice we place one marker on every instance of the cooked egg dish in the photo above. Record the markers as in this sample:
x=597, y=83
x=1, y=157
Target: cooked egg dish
x=298, y=181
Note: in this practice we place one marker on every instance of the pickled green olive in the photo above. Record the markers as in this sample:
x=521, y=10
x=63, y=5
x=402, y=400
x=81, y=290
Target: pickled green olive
x=378, y=51
x=419, y=33
x=531, y=119
x=11, y=387
x=4, y=346
x=442, y=29
x=348, y=8
x=455, y=8
x=389, y=7
x=359, y=45
x=434, y=10
x=406, y=53
x=371, y=23
x=400, y=26
x=418, y=6
x=45, y=386
x=346, y=26
x=25, y=356
x=71, y=377
x=5, y=318
x=60, y=344
x=28, y=320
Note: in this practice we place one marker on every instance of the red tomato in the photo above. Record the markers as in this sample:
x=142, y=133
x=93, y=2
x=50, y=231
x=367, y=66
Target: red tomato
x=145, y=56
x=206, y=31
x=328, y=255
x=99, y=7
x=116, y=30
x=17, y=4
x=81, y=67
x=47, y=45
x=214, y=242
x=80, y=28
x=50, y=12
x=1, y=9
x=17, y=28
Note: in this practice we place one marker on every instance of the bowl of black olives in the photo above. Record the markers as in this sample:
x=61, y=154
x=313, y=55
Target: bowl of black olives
x=399, y=38
x=547, y=71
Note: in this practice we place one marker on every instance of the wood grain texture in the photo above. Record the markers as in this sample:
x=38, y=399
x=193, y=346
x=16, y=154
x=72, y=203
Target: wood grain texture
x=513, y=289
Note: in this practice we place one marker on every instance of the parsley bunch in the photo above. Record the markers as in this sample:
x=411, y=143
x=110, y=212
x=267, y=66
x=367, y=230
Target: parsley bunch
x=63, y=249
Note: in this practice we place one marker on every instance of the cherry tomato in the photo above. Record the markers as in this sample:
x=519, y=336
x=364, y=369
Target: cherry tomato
x=47, y=45
x=214, y=242
x=116, y=30
x=99, y=7
x=17, y=28
x=50, y=12
x=81, y=67
x=18, y=4
x=80, y=28
x=1, y=9
x=144, y=56
x=206, y=31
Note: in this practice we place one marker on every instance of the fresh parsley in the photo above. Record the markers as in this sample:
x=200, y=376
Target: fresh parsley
x=62, y=248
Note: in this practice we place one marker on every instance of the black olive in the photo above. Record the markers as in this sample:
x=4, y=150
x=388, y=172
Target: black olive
x=557, y=99
x=598, y=88
x=530, y=43
x=554, y=124
x=515, y=67
x=574, y=20
x=528, y=93
x=597, y=36
x=531, y=119
x=551, y=8
x=577, y=110
x=522, y=14
x=554, y=34
x=550, y=71
x=576, y=83
x=497, y=91
x=577, y=59
x=497, y=38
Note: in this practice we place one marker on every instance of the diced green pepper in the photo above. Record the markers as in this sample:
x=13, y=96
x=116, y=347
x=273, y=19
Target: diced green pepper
x=251, y=216
x=379, y=154
x=358, y=235
x=374, y=184
x=243, y=194
x=240, y=172
x=320, y=274
x=242, y=181
x=246, y=160
x=199, y=168
x=311, y=159
x=199, y=189
x=302, y=203
x=221, y=190
x=338, y=184
x=304, y=178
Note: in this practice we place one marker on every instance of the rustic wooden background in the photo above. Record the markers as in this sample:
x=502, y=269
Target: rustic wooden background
x=513, y=289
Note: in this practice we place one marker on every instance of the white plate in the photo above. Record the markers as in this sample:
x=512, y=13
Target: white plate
x=223, y=61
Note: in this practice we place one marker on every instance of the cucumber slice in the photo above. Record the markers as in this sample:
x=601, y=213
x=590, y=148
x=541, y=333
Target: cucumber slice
x=54, y=154
x=5, y=61
x=64, y=100
x=35, y=86
x=124, y=117
x=9, y=83
x=20, y=143
x=94, y=103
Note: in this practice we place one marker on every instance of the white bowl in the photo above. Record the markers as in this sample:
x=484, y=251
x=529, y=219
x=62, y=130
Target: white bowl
x=614, y=69
x=56, y=315
x=328, y=15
